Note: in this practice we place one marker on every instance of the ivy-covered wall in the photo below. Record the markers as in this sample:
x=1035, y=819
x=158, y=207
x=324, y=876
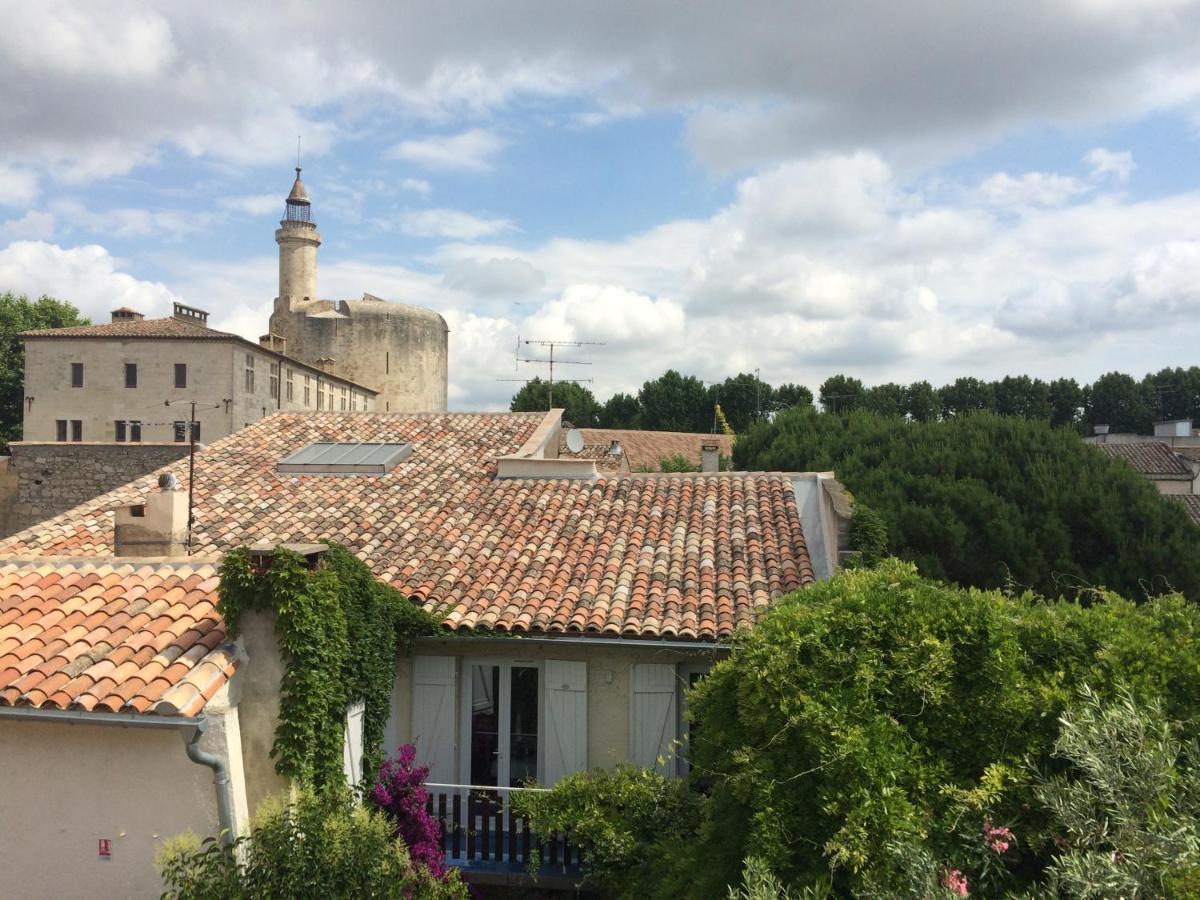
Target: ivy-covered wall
x=337, y=631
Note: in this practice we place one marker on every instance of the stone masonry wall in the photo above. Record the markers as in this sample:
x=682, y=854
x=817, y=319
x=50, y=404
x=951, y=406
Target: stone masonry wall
x=54, y=477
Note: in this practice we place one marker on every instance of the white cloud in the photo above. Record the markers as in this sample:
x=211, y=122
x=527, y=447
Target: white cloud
x=1102, y=162
x=471, y=151
x=254, y=204
x=18, y=187
x=451, y=223
x=417, y=186
x=589, y=312
x=1031, y=189
x=34, y=225
x=86, y=276
x=495, y=277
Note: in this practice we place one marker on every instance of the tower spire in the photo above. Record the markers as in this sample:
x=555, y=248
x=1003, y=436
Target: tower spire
x=298, y=241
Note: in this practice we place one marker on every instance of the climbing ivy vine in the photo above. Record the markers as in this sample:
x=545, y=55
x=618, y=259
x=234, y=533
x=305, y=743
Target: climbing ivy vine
x=338, y=630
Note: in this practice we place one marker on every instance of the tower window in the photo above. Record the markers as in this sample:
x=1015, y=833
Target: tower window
x=180, y=375
x=130, y=375
x=76, y=374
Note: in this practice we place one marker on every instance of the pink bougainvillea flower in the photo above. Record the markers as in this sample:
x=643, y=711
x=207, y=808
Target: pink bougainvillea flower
x=955, y=881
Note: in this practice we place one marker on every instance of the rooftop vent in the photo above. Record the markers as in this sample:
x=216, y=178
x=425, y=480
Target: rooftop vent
x=345, y=459
x=190, y=314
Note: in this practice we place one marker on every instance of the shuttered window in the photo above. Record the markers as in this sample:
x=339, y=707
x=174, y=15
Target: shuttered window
x=566, y=719
x=433, y=715
x=652, y=717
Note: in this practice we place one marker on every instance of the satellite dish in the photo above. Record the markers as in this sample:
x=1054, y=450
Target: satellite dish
x=574, y=440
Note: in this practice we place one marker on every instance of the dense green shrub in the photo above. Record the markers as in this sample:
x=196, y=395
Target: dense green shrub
x=309, y=846
x=623, y=822
x=990, y=501
x=882, y=716
x=868, y=534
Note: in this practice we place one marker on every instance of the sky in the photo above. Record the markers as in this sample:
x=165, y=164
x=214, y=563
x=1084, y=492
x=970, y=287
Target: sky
x=892, y=191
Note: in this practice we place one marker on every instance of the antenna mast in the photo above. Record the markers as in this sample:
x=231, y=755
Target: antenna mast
x=551, y=361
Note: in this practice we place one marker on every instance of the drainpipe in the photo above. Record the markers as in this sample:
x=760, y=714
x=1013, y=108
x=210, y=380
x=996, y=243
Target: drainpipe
x=191, y=741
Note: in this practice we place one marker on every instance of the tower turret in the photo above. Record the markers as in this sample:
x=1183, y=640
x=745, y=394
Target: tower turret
x=298, y=240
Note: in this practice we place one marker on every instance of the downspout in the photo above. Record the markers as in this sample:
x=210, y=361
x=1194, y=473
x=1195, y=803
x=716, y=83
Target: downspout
x=191, y=741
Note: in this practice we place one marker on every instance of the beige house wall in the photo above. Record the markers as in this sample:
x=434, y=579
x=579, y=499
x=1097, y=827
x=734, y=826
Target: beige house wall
x=1173, y=486
x=216, y=374
x=609, y=685
x=63, y=787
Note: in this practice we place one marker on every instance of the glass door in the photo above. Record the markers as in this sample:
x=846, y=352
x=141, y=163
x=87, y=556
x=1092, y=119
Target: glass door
x=503, y=719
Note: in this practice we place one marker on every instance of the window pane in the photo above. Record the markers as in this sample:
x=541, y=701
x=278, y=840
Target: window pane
x=76, y=374
x=61, y=429
x=120, y=431
x=523, y=718
x=130, y=375
x=135, y=432
x=180, y=432
x=77, y=429
x=180, y=375
x=485, y=724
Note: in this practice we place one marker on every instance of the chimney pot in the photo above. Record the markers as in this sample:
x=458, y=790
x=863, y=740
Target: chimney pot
x=155, y=527
x=710, y=456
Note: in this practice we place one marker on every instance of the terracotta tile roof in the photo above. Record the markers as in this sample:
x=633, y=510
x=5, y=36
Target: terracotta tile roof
x=1190, y=502
x=111, y=636
x=645, y=449
x=1152, y=458
x=689, y=556
x=169, y=327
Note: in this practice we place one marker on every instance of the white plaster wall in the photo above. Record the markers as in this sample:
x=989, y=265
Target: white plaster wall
x=63, y=787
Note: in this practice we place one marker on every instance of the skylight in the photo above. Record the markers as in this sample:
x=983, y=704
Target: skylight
x=345, y=459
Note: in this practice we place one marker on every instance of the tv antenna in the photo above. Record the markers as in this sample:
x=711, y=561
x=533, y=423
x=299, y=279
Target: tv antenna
x=550, y=361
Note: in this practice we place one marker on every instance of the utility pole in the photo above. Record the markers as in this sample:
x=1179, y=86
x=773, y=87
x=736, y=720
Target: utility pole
x=191, y=431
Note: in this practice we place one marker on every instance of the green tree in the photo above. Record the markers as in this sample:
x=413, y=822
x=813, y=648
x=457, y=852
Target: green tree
x=17, y=314
x=1119, y=402
x=675, y=402
x=885, y=399
x=1066, y=402
x=966, y=395
x=744, y=398
x=788, y=395
x=985, y=500
x=841, y=393
x=1023, y=396
x=921, y=401
x=579, y=406
x=621, y=411
x=881, y=710
x=1174, y=393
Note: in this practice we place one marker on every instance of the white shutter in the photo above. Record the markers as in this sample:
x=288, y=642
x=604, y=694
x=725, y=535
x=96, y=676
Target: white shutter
x=652, y=715
x=433, y=715
x=352, y=744
x=566, y=719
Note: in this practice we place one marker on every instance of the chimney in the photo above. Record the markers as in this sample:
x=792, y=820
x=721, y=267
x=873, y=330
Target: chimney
x=125, y=314
x=1101, y=431
x=157, y=527
x=275, y=342
x=190, y=314
x=710, y=456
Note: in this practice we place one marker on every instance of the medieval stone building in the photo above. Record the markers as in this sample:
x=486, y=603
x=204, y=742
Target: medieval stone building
x=399, y=350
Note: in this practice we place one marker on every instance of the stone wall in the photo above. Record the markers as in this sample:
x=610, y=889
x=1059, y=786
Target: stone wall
x=54, y=477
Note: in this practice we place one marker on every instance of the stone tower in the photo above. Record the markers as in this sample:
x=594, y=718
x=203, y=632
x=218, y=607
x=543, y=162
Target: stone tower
x=399, y=350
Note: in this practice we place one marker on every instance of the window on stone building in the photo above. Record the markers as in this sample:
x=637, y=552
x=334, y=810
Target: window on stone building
x=61, y=429
x=77, y=430
x=119, y=432
x=274, y=378
x=353, y=402
x=320, y=395
x=249, y=373
x=307, y=391
x=181, y=432
x=343, y=399
x=130, y=375
x=290, y=388
x=180, y=375
x=76, y=374
x=135, y=431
